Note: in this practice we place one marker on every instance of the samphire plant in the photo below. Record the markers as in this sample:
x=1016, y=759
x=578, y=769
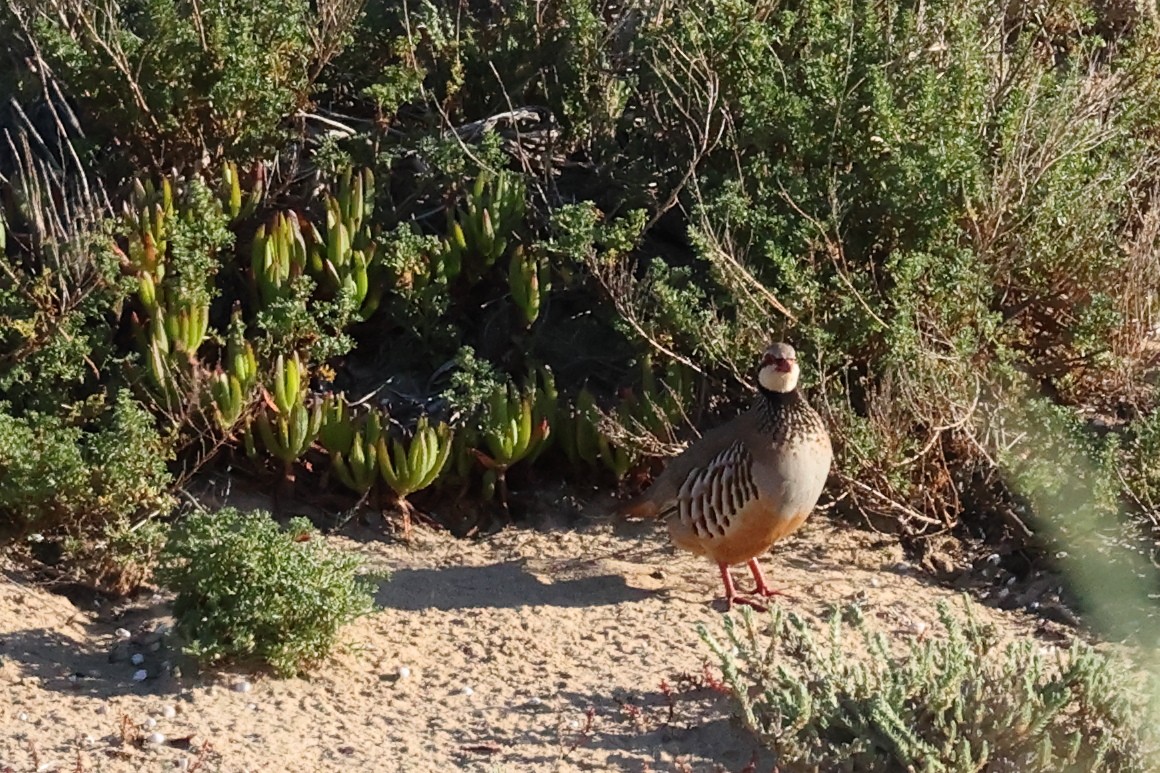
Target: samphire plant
x=955, y=699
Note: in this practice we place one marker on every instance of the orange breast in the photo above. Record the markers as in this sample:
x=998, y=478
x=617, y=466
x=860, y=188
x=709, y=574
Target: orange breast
x=745, y=534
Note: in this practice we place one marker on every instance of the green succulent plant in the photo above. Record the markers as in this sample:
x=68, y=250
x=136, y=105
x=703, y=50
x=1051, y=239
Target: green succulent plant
x=513, y=429
x=479, y=233
x=233, y=381
x=352, y=442
x=237, y=202
x=277, y=255
x=344, y=258
x=290, y=423
x=414, y=465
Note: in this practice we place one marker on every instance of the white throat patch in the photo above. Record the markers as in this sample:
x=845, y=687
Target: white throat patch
x=778, y=381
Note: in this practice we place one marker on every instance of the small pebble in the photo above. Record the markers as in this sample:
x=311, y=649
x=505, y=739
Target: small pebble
x=181, y=763
x=140, y=675
x=242, y=686
x=22, y=717
x=169, y=712
x=535, y=701
x=122, y=633
x=1003, y=593
x=918, y=627
x=874, y=582
x=149, y=723
x=155, y=739
x=404, y=672
x=137, y=659
x=1061, y=554
x=468, y=691
x=89, y=740
x=102, y=709
x=994, y=558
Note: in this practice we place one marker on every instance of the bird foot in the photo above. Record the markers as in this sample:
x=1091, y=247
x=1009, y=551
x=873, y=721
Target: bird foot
x=767, y=593
x=742, y=600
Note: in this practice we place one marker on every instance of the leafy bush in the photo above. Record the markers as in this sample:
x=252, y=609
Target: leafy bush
x=948, y=206
x=218, y=79
x=248, y=590
x=955, y=700
x=69, y=476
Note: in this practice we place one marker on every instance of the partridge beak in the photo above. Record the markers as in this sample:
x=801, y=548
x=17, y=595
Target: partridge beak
x=781, y=363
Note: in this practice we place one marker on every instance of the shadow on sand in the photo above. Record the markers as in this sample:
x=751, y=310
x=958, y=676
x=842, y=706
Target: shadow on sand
x=498, y=586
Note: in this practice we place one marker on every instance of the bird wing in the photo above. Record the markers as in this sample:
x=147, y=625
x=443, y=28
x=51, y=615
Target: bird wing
x=665, y=489
x=713, y=493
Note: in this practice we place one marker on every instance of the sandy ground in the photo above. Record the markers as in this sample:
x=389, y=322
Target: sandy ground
x=536, y=649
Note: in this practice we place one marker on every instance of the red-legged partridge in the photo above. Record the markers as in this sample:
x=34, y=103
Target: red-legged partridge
x=748, y=483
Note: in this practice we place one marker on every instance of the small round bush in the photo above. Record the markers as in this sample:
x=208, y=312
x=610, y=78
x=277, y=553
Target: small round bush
x=248, y=590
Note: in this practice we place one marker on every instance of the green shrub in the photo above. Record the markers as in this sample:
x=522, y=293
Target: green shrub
x=248, y=590
x=90, y=486
x=954, y=700
x=939, y=203
x=1143, y=466
x=190, y=80
x=927, y=196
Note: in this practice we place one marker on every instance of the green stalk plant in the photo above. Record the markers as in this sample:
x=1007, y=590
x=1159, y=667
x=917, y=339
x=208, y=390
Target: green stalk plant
x=290, y=422
x=513, y=429
x=414, y=465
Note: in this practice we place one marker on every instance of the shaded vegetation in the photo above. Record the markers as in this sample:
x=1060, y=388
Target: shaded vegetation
x=476, y=249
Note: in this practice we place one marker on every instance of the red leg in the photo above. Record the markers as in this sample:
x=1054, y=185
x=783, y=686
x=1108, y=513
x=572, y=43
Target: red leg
x=731, y=595
x=762, y=589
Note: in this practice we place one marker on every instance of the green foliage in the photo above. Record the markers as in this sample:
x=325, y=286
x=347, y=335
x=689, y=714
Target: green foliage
x=931, y=194
x=414, y=466
x=353, y=444
x=480, y=232
x=952, y=700
x=61, y=474
x=291, y=419
x=248, y=590
x=217, y=81
x=53, y=336
x=1142, y=467
x=938, y=203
